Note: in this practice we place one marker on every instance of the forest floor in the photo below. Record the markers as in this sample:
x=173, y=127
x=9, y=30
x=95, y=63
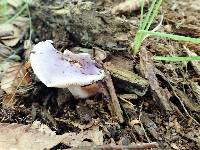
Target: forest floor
x=159, y=101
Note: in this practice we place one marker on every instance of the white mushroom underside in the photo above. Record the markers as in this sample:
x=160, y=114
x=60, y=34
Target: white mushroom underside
x=55, y=69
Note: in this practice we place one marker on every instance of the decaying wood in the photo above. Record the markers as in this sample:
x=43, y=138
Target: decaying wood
x=141, y=146
x=189, y=103
x=150, y=125
x=148, y=70
x=86, y=24
x=115, y=106
x=127, y=80
x=173, y=89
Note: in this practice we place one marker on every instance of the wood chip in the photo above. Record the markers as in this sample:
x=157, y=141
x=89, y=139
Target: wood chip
x=148, y=70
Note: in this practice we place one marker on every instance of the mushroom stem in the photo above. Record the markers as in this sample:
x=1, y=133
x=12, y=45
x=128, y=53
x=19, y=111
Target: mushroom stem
x=84, y=91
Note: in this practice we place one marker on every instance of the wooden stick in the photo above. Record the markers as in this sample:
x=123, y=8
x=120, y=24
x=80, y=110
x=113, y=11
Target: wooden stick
x=141, y=146
x=116, y=109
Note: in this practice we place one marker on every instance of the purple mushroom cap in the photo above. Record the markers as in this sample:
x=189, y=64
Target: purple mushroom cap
x=61, y=70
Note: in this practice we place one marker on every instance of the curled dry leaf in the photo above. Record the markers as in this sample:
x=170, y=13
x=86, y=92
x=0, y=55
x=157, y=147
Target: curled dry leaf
x=5, y=55
x=13, y=39
x=17, y=29
x=13, y=77
x=128, y=6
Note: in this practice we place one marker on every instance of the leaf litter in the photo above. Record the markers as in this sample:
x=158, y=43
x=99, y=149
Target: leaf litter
x=174, y=87
x=39, y=136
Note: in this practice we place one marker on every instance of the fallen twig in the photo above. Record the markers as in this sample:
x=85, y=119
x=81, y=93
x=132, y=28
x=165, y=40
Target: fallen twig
x=141, y=146
x=115, y=106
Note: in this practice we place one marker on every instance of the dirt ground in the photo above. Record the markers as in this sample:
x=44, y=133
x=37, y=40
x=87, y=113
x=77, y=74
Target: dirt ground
x=159, y=100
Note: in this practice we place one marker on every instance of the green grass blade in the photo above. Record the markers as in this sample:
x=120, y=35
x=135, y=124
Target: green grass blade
x=144, y=24
x=17, y=14
x=3, y=9
x=141, y=13
x=175, y=58
x=137, y=43
x=171, y=36
x=153, y=10
x=154, y=13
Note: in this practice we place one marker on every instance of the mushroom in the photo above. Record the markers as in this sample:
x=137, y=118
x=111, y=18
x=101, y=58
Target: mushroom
x=77, y=72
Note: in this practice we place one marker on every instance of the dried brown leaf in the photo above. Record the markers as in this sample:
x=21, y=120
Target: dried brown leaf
x=17, y=28
x=94, y=135
x=5, y=52
x=3, y=66
x=5, y=33
x=11, y=40
x=128, y=6
x=13, y=77
x=21, y=23
x=18, y=136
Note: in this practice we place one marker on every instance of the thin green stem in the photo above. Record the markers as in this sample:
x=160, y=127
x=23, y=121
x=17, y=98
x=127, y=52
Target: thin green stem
x=141, y=13
x=144, y=24
x=154, y=13
x=17, y=14
x=175, y=58
x=171, y=36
